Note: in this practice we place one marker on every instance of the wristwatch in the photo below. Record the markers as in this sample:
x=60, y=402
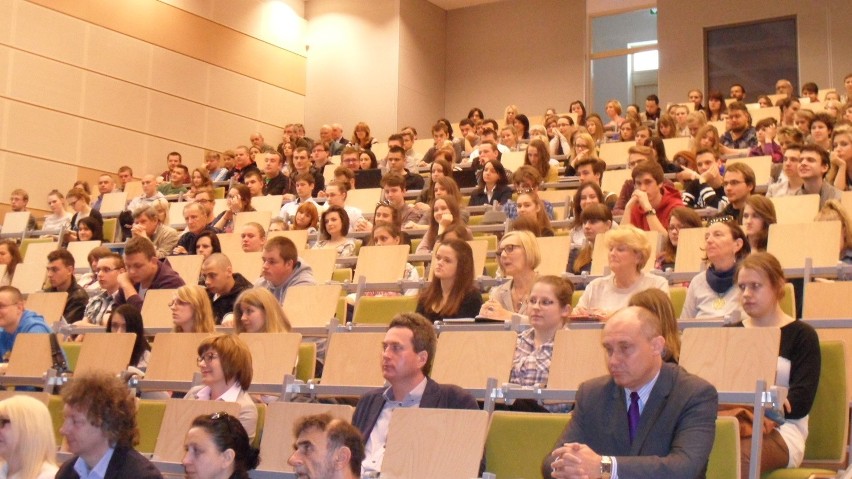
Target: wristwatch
x=651, y=212
x=606, y=467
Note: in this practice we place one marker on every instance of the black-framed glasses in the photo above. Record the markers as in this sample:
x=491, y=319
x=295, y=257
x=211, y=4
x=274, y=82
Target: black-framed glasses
x=721, y=219
x=509, y=248
x=207, y=359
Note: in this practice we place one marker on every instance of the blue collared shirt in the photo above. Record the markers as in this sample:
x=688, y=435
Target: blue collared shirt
x=97, y=472
x=374, y=450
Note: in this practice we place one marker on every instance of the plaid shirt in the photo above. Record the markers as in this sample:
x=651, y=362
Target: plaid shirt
x=530, y=366
x=511, y=209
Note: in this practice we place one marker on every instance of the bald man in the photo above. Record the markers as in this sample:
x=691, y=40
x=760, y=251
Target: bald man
x=647, y=418
x=223, y=285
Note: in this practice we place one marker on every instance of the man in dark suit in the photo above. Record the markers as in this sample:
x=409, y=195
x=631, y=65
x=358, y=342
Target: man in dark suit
x=646, y=419
x=100, y=428
x=409, y=348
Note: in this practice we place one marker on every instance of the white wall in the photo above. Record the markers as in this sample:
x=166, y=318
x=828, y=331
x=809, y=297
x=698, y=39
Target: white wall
x=422, y=65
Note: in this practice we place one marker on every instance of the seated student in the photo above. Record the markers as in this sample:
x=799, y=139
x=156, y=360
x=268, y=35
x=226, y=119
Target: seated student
x=538, y=157
x=758, y=214
x=276, y=224
x=526, y=178
x=29, y=444
x=223, y=285
x=660, y=304
x=810, y=90
x=18, y=203
x=252, y=238
x=274, y=181
x=635, y=156
x=591, y=170
x=596, y=220
x=629, y=250
x=80, y=202
x=107, y=270
x=802, y=120
x=239, y=200
x=833, y=210
x=682, y=218
x=841, y=157
x=652, y=202
x=336, y=193
x=760, y=280
x=191, y=310
x=813, y=166
x=766, y=131
x=147, y=224
x=445, y=215
x=282, y=268
x=222, y=436
x=100, y=429
x=712, y=293
x=175, y=183
x=790, y=183
x=439, y=168
x=89, y=281
x=451, y=294
x=10, y=256
x=257, y=311
x=226, y=370
x=207, y=243
x=586, y=195
x=548, y=307
x=518, y=256
x=60, y=276
x=388, y=233
x=530, y=205
x=304, y=185
x=14, y=319
x=822, y=127
x=306, y=218
x=254, y=182
x=396, y=164
x=195, y=215
x=334, y=226
x=740, y=135
x=127, y=319
x=493, y=185
x=144, y=272
x=408, y=352
x=705, y=188
x=739, y=184
x=345, y=176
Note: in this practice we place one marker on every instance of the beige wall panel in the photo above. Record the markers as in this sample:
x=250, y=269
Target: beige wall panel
x=226, y=131
x=5, y=62
x=495, y=71
x=46, y=83
x=176, y=119
x=178, y=75
x=280, y=23
x=118, y=55
x=35, y=175
x=272, y=135
x=156, y=150
x=422, y=64
x=279, y=106
x=49, y=33
x=91, y=175
x=6, y=15
x=43, y=133
x=232, y=92
x=115, y=101
x=105, y=147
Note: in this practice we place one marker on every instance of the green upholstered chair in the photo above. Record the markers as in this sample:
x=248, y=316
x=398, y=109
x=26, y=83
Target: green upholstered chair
x=678, y=297
x=724, y=460
x=828, y=422
x=380, y=310
x=307, y=364
x=149, y=418
x=72, y=352
x=518, y=442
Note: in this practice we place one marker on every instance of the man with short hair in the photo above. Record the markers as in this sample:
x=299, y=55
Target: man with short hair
x=100, y=430
x=242, y=164
x=467, y=136
x=146, y=223
x=591, y=170
x=646, y=418
x=393, y=189
x=14, y=319
x=213, y=165
x=302, y=164
x=635, y=156
x=326, y=448
x=175, y=185
x=206, y=198
x=144, y=272
x=304, y=188
x=784, y=87
x=172, y=159
x=738, y=92
x=196, y=217
x=741, y=135
x=125, y=176
x=282, y=268
x=100, y=306
x=254, y=182
x=336, y=194
x=60, y=275
x=337, y=136
x=408, y=353
x=223, y=285
x=105, y=185
x=320, y=156
x=705, y=189
x=739, y=183
x=652, y=109
x=274, y=182
x=813, y=165
x=653, y=200
x=149, y=194
x=408, y=145
x=790, y=182
x=396, y=164
x=766, y=146
x=488, y=135
x=18, y=201
x=349, y=158
x=258, y=142
x=440, y=137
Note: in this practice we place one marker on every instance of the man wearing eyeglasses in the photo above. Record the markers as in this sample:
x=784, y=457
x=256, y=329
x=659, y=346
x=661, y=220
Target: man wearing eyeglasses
x=100, y=306
x=14, y=319
x=60, y=275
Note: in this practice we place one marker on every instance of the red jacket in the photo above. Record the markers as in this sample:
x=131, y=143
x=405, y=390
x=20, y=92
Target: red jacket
x=671, y=200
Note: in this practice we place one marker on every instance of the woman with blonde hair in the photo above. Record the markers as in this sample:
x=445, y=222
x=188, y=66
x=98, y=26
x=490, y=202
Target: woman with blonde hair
x=27, y=442
x=191, y=310
x=509, y=115
x=833, y=210
x=660, y=304
x=517, y=256
x=257, y=311
x=613, y=111
x=595, y=127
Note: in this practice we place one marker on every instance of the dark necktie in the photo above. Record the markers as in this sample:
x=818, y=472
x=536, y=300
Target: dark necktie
x=633, y=415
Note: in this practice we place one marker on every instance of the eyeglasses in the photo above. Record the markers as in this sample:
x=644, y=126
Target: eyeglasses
x=178, y=302
x=207, y=359
x=721, y=219
x=509, y=248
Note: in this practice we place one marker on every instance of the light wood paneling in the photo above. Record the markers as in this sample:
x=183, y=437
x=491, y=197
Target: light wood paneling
x=49, y=33
x=176, y=118
x=179, y=75
x=118, y=55
x=27, y=133
x=49, y=175
x=115, y=102
x=46, y=83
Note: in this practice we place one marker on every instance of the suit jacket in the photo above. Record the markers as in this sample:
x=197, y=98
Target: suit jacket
x=676, y=429
x=125, y=462
x=438, y=396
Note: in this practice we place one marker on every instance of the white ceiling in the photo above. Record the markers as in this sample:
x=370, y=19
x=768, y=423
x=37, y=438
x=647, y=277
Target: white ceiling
x=454, y=4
